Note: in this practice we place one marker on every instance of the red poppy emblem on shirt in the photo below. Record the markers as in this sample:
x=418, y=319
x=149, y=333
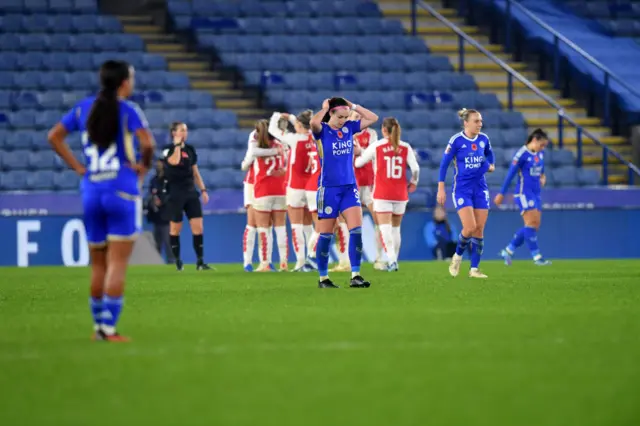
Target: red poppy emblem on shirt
x=185, y=155
x=474, y=147
x=340, y=135
x=536, y=159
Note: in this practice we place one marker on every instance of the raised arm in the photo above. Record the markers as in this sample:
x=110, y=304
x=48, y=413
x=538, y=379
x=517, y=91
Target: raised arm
x=316, y=120
x=367, y=118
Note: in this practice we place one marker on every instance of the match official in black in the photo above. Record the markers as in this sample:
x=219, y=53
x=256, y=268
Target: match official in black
x=182, y=175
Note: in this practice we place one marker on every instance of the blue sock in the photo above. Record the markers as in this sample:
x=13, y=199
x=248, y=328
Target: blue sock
x=323, y=247
x=477, y=246
x=516, y=241
x=355, y=249
x=463, y=242
x=113, y=307
x=96, y=310
x=531, y=236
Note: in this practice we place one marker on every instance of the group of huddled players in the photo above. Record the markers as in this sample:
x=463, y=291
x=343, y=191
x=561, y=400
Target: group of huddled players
x=293, y=165
x=311, y=171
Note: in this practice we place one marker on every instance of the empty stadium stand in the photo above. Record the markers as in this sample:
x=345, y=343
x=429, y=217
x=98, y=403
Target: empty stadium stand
x=204, y=67
x=593, y=26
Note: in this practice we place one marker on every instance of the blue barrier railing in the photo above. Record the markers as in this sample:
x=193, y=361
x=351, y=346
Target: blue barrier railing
x=559, y=38
x=512, y=74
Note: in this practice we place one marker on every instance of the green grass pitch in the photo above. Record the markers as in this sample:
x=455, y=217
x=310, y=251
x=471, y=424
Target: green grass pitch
x=530, y=346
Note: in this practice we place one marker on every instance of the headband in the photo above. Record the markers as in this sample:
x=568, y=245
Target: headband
x=339, y=107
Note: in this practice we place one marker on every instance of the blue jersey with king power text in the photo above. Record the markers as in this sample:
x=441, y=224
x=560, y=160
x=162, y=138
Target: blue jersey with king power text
x=335, y=148
x=529, y=166
x=107, y=169
x=471, y=160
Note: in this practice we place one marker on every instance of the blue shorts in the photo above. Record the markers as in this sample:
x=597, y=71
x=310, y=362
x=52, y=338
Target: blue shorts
x=478, y=198
x=111, y=216
x=333, y=200
x=528, y=202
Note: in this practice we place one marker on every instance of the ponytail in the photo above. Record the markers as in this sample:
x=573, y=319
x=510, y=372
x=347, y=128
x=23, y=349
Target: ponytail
x=392, y=127
x=103, y=122
x=262, y=134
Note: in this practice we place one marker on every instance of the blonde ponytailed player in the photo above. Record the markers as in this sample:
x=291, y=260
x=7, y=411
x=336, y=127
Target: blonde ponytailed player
x=390, y=157
x=302, y=165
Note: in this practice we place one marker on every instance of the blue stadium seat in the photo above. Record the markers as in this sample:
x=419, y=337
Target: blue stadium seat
x=13, y=180
x=15, y=160
x=588, y=177
x=559, y=157
x=66, y=180
x=40, y=180
x=565, y=176
x=9, y=61
x=496, y=178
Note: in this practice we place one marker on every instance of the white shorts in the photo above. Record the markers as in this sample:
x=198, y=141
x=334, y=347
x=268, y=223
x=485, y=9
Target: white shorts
x=272, y=203
x=366, y=195
x=296, y=198
x=312, y=200
x=394, y=207
x=248, y=194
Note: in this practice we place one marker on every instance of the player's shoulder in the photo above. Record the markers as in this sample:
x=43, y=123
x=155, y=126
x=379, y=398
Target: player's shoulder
x=405, y=144
x=84, y=103
x=483, y=136
x=130, y=106
x=455, y=138
x=522, y=151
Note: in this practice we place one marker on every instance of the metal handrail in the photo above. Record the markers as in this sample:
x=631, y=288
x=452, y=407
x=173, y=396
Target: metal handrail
x=557, y=38
x=511, y=74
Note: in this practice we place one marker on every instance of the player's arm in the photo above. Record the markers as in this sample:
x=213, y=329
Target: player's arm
x=273, y=128
x=516, y=164
x=367, y=117
x=490, y=156
x=366, y=156
x=58, y=133
x=449, y=154
x=543, y=176
x=412, y=162
x=373, y=136
x=316, y=120
x=139, y=126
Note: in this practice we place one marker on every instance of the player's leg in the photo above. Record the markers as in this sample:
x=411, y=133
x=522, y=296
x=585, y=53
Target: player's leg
x=175, y=207
x=477, y=242
x=379, y=263
x=352, y=212
x=396, y=220
x=532, y=219
x=307, y=221
x=312, y=242
x=383, y=211
x=518, y=238
x=468, y=220
x=249, y=236
x=328, y=211
x=193, y=210
x=279, y=218
x=342, y=245
x=262, y=213
x=95, y=223
x=296, y=202
x=124, y=217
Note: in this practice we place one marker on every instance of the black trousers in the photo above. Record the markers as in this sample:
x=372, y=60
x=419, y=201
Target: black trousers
x=163, y=243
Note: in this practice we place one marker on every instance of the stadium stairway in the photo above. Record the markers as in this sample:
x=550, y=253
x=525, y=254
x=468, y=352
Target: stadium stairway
x=491, y=78
x=198, y=69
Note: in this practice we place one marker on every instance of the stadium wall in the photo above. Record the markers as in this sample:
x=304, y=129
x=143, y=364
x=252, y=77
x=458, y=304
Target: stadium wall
x=578, y=234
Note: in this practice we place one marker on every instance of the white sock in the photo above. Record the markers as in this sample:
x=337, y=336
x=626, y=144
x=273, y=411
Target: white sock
x=263, y=245
x=308, y=231
x=283, y=244
x=248, y=244
x=397, y=240
x=270, y=244
x=311, y=246
x=342, y=242
x=379, y=248
x=297, y=239
x=386, y=233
